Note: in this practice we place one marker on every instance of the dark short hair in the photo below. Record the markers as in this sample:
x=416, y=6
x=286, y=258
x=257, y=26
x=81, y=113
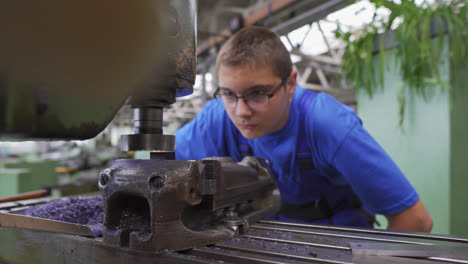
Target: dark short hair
x=254, y=45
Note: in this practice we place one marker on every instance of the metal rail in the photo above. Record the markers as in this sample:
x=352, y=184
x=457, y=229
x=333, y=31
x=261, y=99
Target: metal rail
x=231, y=256
x=298, y=242
x=370, y=231
x=288, y=256
x=448, y=260
x=341, y=236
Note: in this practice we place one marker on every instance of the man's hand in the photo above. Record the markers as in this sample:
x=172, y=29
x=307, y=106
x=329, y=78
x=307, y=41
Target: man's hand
x=414, y=219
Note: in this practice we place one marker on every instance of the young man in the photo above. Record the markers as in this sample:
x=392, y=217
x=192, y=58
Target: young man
x=328, y=168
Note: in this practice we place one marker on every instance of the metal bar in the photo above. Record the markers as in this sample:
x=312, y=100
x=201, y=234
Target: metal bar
x=36, y=201
x=389, y=260
x=305, y=75
x=261, y=13
x=204, y=95
x=386, y=249
x=289, y=256
x=316, y=65
x=25, y=196
x=314, y=87
x=307, y=33
x=340, y=236
x=267, y=10
x=298, y=242
x=290, y=42
x=332, y=52
x=187, y=258
x=13, y=220
x=322, y=78
x=256, y=16
x=285, y=13
x=318, y=58
x=448, y=260
x=8, y=205
x=309, y=16
x=369, y=231
x=230, y=256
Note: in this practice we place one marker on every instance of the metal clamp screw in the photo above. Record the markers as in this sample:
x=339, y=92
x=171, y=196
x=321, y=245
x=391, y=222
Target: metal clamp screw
x=104, y=177
x=156, y=182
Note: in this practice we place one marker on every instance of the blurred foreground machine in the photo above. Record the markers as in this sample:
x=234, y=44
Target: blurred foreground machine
x=65, y=77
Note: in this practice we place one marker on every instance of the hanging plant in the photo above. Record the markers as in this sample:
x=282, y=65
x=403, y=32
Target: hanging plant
x=417, y=55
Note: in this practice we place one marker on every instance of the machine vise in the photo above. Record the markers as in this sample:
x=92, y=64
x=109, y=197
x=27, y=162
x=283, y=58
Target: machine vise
x=159, y=205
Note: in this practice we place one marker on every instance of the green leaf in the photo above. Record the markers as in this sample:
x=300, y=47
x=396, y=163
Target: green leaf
x=401, y=104
x=338, y=33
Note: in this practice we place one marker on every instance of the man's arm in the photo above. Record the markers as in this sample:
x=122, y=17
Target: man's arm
x=414, y=219
x=368, y=169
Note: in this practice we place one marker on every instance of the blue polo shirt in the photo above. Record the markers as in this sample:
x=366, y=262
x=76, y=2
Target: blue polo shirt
x=342, y=151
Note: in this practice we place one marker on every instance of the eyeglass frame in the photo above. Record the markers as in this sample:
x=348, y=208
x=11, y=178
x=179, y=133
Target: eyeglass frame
x=270, y=95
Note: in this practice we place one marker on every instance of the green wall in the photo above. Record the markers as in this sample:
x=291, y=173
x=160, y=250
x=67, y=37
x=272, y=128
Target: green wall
x=424, y=147
x=459, y=150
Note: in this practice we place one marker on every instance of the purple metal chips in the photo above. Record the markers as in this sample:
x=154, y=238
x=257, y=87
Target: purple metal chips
x=87, y=211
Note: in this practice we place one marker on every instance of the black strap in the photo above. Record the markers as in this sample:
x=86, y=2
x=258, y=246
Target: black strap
x=315, y=210
x=370, y=217
x=319, y=209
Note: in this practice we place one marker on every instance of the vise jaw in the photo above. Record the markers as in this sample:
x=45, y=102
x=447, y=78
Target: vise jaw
x=160, y=205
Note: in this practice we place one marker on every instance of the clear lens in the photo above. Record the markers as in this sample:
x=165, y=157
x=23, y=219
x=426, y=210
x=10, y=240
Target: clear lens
x=257, y=101
x=229, y=101
x=254, y=101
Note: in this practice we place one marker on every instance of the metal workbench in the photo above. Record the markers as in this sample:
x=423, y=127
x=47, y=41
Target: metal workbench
x=266, y=242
